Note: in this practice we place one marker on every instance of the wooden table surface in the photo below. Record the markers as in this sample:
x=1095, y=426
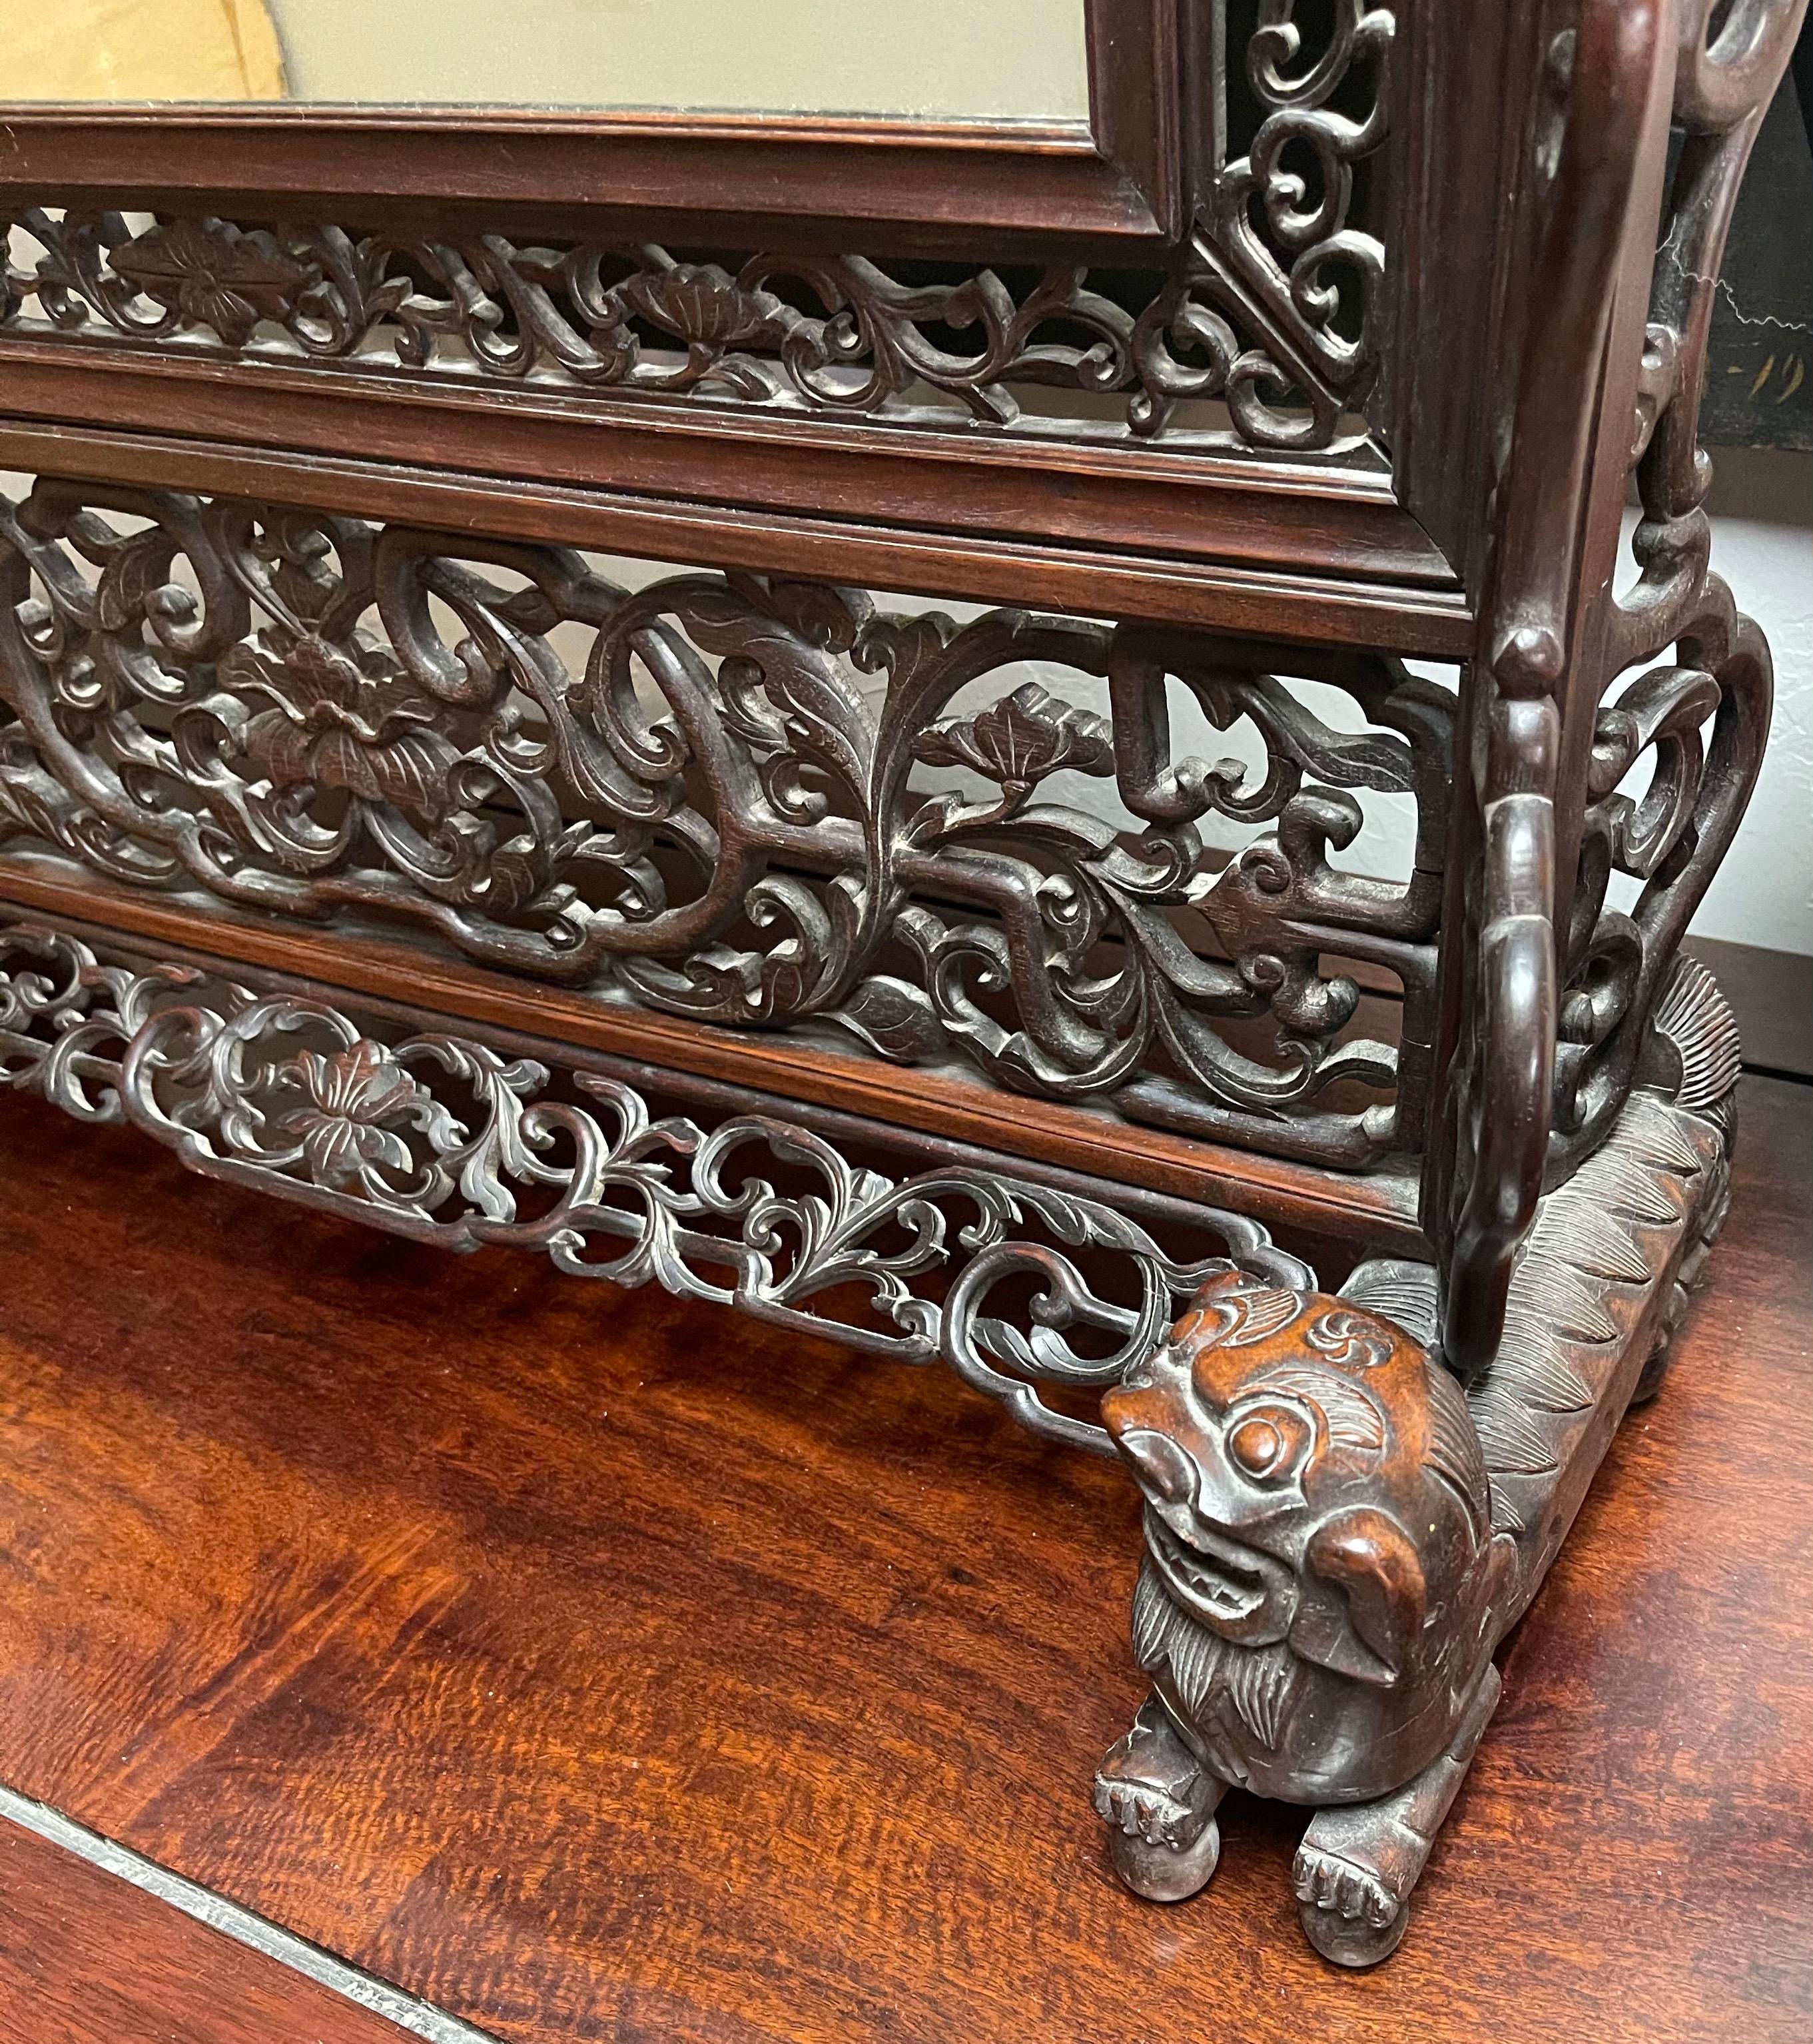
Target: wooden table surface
x=595, y=1667
x=86, y=1958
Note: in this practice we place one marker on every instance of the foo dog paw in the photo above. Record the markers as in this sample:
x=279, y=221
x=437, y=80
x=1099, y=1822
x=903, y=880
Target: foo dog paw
x=1143, y=1810
x=1159, y=1804
x=1160, y=1871
x=1351, y=1915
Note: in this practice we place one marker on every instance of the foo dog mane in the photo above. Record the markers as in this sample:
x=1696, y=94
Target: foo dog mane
x=1335, y=1372
x=1209, y=1674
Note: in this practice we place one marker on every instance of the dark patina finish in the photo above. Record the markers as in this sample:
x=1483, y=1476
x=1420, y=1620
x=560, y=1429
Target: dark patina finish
x=989, y=984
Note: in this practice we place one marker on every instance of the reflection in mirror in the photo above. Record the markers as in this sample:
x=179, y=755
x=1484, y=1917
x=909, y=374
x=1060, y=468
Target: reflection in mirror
x=1008, y=60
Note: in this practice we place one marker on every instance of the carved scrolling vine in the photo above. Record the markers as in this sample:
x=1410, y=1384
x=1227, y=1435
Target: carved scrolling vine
x=719, y=808
x=442, y=1139
x=1275, y=240
x=1564, y=991
x=1701, y=720
x=1253, y=314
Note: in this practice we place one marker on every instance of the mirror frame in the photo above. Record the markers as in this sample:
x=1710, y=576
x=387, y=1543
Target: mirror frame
x=1172, y=533
x=1126, y=177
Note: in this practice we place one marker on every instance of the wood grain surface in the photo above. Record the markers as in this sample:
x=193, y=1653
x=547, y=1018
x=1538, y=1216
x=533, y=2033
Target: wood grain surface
x=392, y=481
x=599, y=1668
x=86, y=1958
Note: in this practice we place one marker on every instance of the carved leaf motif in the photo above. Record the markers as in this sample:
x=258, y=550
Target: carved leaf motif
x=410, y=770
x=357, y=1096
x=333, y=725
x=895, y=1018
x=1603, y=1247
x=1696, y=1018
x=704, y=806
x=1016, y=744
x=877, y=346
x=1539, y=1377
x=706, y=306
x=1514, y=1440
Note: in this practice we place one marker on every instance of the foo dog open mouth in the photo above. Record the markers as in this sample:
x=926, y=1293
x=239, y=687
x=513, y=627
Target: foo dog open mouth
x=1244, y=1595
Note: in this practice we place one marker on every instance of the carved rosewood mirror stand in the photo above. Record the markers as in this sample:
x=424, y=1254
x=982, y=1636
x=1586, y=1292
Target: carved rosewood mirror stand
x=1305, y=853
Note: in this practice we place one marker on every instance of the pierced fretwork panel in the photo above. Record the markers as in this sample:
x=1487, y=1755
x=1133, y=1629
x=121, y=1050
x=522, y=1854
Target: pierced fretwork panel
x=747, y=801
x=1015, y=1283
x=1268, y=313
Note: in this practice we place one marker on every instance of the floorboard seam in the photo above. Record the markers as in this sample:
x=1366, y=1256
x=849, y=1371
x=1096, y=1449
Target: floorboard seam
x=420, y=2018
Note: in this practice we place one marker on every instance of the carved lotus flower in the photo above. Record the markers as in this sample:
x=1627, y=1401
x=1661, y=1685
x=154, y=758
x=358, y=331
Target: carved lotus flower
x=335, y=725
x=357, y=1099
x=1021, y=740
x=214, y=275
x=705, y=305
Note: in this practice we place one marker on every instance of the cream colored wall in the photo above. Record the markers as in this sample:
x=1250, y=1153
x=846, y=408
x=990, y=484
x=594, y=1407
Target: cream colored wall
x=1016, y=59
x=1022, y=59
x=138, y=49
x=1762, y=544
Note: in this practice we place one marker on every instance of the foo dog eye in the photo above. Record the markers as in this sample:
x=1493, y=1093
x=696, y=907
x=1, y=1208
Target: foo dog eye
x=1266, y=1446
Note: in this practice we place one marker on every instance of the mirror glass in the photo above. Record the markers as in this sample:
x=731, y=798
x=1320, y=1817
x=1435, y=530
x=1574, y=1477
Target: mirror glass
x=950, y=59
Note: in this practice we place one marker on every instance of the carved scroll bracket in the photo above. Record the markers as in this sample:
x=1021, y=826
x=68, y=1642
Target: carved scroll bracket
x=1503, y=1074
x=1257, y=314
x=1702, y=719
x=1562, y=995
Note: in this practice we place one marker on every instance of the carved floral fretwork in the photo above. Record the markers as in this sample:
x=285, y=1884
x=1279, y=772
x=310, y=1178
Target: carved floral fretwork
x=445, y=1140
x=711, y=796
x=1268, y=307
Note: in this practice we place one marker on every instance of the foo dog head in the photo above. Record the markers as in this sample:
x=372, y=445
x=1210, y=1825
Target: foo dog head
x=1314, y=1601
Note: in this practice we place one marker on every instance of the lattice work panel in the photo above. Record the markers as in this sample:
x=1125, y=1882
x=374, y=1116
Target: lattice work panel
x=985, y=843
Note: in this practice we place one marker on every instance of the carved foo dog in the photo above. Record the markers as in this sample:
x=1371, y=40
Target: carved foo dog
x=1338, y=1534
x=1315, y=1604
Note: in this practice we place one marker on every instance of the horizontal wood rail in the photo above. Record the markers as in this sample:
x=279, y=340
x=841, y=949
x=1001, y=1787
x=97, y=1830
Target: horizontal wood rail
x=1090, y=580
x=1376, y=1211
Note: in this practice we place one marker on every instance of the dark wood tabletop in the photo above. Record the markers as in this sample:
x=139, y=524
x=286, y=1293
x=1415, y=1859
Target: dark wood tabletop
x=87, y=1958
x=598, y=1667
